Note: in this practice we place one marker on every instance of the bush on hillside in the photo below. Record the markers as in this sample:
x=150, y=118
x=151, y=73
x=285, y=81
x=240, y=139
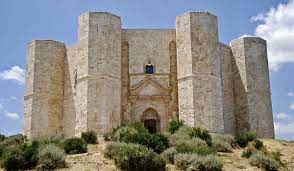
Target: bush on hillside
x=181, y=135
x=224, y=137
x=2, y=137
x=51, y=157
x=169, y=154
x=257, y=144
x=139, y=127
x=184, y=148
x=3, y=149
x=202, y=134
x=221, y=145
x=263, y=161
x=13, y=160
x=74, y=146
x=29, y=153
x=22, y=157
x=248, y=151
x=193, y=142
x=134, y=157
x=50, y=139
x=197, y=162
x=276, y=155
x=244, y=138
x=158, y=142
x=90, y=137
x=175, y=125
x=136, y=133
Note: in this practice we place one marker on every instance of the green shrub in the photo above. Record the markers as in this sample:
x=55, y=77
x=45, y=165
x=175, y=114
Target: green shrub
x=134, y=157
x=135, y=133
x=138, y=126
x=3, y=149
x=274, y=155
x=175, y=125
x=248, y=151
x=210, y=162
x=50, y=139
x=13, y=160
x=110, y=136
x=197, y=162
x=263, y=161
x=169, y=154
x=244, y=138
x=90, y=137
x=2, y=137
x=181, y=135
x=125, y=134
x=221, y=145
x=184, y=161
x=225, y=137
x=158, y=142
x=74, y=146
x=202, y=134
x=194, y=142
x=257, y=144
x=22, y=157
x=184, y=148
x=51, y=157
x=29, y=154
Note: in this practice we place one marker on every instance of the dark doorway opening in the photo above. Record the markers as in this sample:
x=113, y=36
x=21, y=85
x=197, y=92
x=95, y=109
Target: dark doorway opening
x=150, y=125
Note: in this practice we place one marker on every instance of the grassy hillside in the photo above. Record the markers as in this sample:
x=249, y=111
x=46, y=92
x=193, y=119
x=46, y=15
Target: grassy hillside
x=95, y=160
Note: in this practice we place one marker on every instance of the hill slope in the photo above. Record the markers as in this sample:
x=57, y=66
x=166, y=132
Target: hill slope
x=94, y=159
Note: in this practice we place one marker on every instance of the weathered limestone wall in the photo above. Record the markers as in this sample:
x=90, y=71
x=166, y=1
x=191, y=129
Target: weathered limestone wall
x=228, y=87
x=174, y=104
x=252, y=86
x=153, y=45
x=102, y=31
x=44, y=88
x=125, y=78
x=199, y=74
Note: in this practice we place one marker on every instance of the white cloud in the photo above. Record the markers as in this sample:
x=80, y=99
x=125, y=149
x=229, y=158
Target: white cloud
x=282, y=116
x=291, y=94
x=291, y=106
x=14, y=73
x=284, y=130
x=277, y=27
x=12, y=115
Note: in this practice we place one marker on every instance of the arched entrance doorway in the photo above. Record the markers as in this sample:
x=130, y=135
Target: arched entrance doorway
x=150, y=120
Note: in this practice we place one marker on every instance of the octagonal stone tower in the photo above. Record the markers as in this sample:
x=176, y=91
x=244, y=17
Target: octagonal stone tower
x=199, y=74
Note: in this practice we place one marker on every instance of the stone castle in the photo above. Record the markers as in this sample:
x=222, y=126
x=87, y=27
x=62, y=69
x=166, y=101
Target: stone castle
x=114, y=75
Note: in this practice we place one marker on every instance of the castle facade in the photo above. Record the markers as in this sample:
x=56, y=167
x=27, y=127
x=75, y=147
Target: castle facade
x=114, y=75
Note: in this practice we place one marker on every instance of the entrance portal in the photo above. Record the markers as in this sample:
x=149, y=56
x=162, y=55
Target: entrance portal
x=150, y=124
x=150, y=120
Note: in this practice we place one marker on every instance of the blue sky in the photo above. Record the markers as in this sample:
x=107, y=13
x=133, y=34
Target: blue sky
x=23, y=21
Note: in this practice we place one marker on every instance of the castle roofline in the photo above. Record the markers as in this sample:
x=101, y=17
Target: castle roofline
x=100, y=12
x=45, y=40
x=248, y=38
x=197, y=13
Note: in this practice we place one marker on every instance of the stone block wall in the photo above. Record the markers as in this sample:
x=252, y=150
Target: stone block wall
x=252, y=87
x=43, y=113
x=199, y=74
x=228, y=89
